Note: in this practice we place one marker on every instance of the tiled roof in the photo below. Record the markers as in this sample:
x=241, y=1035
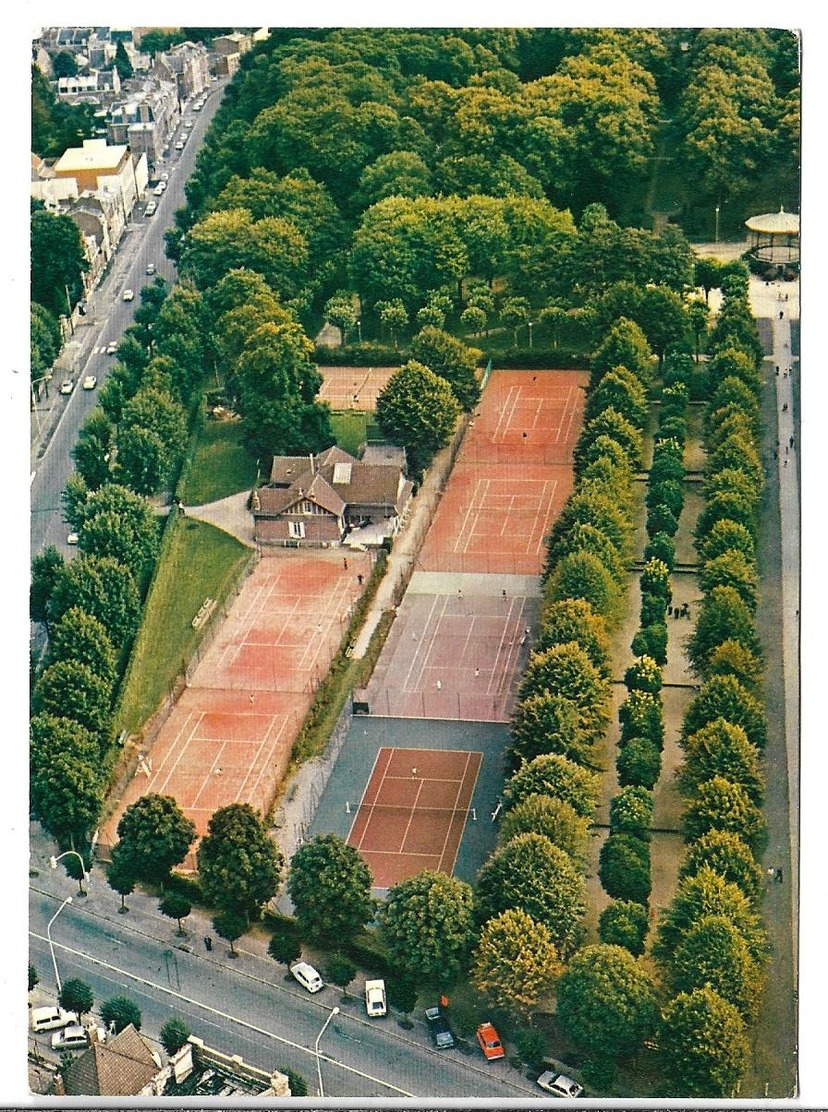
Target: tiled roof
x=118, y=1068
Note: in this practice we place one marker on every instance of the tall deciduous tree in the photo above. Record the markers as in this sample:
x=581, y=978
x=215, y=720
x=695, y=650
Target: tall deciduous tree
x=713, y=954
x=721, y=748
x=330, y=886
x=119, y=1012
x=567, y=670
x=46, y=570
x=417, y=410
x=57, y=261
x=102, y=587
x=725, y=854
x=239, y=864
x=719, y=804
x=724, y=697
x=451, y=360
x=428, y=926
x=155, y=835
x=607, y=1001
x=70, y=689
x=554, y=818
x=704, y=1044
x=76, y=996
x=555, y=776
x=516, y=963
x=532, y=875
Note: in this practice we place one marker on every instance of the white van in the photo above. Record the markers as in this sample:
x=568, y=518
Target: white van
x=307, y=976
x=375, y=997
x=48, y=1019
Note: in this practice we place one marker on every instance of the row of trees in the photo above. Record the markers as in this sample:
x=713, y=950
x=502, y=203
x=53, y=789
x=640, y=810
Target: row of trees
x=710, y=945
x=91, y=605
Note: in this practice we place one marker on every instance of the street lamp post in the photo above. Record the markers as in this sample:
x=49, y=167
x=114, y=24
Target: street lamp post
x=335, y=1011
x=716, y=234
x=84, y=874
x=359, y=330
x=68, y=900
x=531, y=325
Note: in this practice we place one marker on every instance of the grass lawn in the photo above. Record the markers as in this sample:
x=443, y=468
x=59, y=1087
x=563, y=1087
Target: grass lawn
x=197, y=561
x=220, y=466
x=349, y=429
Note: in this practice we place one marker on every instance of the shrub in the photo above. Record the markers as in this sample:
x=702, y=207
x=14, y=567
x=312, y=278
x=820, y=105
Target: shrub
x=624, y=923
x=624, y=868
x=639, y=763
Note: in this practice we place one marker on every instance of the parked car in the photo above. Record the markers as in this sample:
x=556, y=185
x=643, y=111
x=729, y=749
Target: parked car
x=559, y=1085
x=129, y=295
x=72, y=538
x=490, y=1042
x=150, y=268
x=438, y=1027
x=179, y=146
x=112, y=347
x=90, y=382
x=73, y=1037
x=150, y=209
x=164, y=177
x=67, y=386
x=159, y=189
x=307, y=976
x=375, y=997
x=51, y=1017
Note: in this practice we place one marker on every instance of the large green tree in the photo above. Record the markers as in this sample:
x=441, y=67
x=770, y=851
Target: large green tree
x=154, y=835
x=554, y=818
x=721, y=748
x=451, y=360
x=330, y=886
x=417, y=410
x=239, y=864
x=428, y=926
x=607, y=1001
x=714, y=955
x=57, y=261
x=102, y=587
x=555, y=776
x=704, y=1045
x=531, y=874
x=516, y=963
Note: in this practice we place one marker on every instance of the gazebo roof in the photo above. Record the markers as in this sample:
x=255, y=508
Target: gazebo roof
x=775, y=223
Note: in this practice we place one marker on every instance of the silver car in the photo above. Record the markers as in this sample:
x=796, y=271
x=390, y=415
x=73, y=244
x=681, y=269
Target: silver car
x=559, y=1085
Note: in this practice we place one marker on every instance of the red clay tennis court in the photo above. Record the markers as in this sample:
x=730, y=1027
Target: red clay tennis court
x=413, y=812
x=512, y=476
x=353, y=387
x=228, y=738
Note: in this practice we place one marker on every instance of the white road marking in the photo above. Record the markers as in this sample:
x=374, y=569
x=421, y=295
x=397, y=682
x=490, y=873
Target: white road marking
x=224, y=1015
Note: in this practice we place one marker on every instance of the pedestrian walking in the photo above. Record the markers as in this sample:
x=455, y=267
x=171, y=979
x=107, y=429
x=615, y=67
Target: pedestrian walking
x=781, y=314
x=787, y=449
x=439, y=685
x=785, y=408
x=345, y=563
x=791, y=441
x=786, y=463
x=779, y=877
x=208, y=942
x=676, y=612
x=359, y=580
x=777, y=372
x=669, y=611
x=477, y=671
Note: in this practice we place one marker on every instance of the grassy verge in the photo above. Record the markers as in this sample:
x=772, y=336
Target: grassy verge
x=197, y=561
x=219, y=466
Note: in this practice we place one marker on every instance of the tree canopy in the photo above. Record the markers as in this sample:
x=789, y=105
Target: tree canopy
x=330, y=886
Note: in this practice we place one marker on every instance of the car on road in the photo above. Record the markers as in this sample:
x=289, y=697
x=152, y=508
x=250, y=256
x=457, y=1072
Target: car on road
x=559, y=1085
x=150, y=209
x=90, y=382
x=50, y=1017
x=150, y=268
x=164, y=177
x=67, y=386
x=129, y=295
x=438, y=1027
x=490, y=1042
x=375, y=997
x=197, y=107
x=307, y=976
x=112, y=347
x=179, y=146
x=73, y=1037
x=72, y=538
x=159, y=189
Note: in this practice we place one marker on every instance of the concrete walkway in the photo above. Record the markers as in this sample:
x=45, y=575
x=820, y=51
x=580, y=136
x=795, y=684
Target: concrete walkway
x=230, y=514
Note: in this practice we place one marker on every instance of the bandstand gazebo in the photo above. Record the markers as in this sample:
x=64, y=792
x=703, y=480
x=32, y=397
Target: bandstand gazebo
x=774, y=238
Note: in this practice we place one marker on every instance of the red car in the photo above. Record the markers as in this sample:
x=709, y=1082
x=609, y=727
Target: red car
x=490, y=1042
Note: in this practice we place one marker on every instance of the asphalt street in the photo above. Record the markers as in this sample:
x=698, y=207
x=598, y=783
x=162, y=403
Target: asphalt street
x=57, y=419
x=245, y=1006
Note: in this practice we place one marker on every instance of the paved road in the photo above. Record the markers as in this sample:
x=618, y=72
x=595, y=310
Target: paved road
x=56, y=421
x=245, y=1006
